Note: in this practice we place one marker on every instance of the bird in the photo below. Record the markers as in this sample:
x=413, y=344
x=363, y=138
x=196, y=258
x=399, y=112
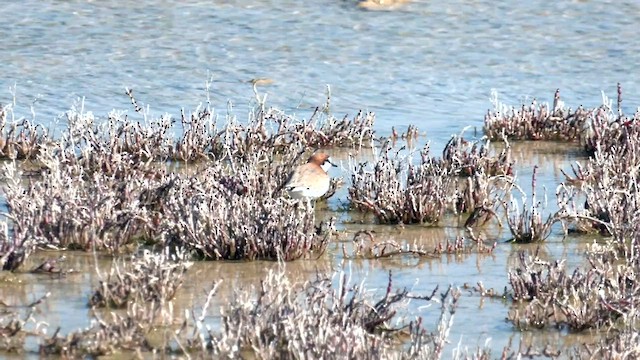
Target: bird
x=311, y=180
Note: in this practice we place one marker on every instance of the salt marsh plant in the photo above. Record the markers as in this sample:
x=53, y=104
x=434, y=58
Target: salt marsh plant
x=20, y=138
x=603, y=295
x=603, y=190
x=16, y=244
x=467, y=177
x=68, y=209
x=201, y=135
x=236, y=217
x=597, y=196
x=213, y=189
x=466, y=158
x=105, y=185
x=397, y=191
x=315, y=320
x=325, y=317
x=537, y=121
x=618, y=344
x=113, y=333
x=525, y=221
x=144, y=278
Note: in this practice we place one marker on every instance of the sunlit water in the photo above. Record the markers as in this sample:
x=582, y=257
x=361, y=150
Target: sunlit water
x=432, y=64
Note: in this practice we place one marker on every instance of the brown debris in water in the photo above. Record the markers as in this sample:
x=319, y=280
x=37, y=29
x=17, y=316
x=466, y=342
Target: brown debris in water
x=366, y=246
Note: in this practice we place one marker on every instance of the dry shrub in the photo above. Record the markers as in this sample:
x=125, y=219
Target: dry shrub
x=608, y=130
x=237, y=211
x=15, y=248
x=597, y=297
x=231, y=210
x=16, y=243
x=199, y=135
x=600, y=196
x=607, y=183
x=144, y=288
x=526, y=224
x=483, y=174
x=467, y=178
x=481, y=196
x=280, y=319
x=535, y=122
x=321, y=130
x=19, y=138
x=618, y=344
x=144, y=278
x=68, y=208
x=100, y=186
x=316, y=321
x=400, y=192
x=467, y=158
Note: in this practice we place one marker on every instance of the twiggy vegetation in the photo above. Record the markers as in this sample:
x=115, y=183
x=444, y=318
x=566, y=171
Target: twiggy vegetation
x=198, y=187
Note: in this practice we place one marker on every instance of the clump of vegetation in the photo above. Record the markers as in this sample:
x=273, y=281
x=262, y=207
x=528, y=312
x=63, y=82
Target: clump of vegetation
x=200, y=135
x=282, y=319
x=68, y=208
x=608, y=129
x=527, y=224
x=14, y=248
x=107, y=186
x=538, y=121
x=464, y=179
x=142, y=288
x=329, y=322
x=145, y=278
x=19, y=138
x=593, y=298
x=597, y=197
x=396, y=192
x=240, y=215
x=115, y=333
x=618, y=344
x=602, y=193
x=214, y=191
x=467, y=158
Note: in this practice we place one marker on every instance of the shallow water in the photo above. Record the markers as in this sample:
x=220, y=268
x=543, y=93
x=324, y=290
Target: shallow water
x=432, y=64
